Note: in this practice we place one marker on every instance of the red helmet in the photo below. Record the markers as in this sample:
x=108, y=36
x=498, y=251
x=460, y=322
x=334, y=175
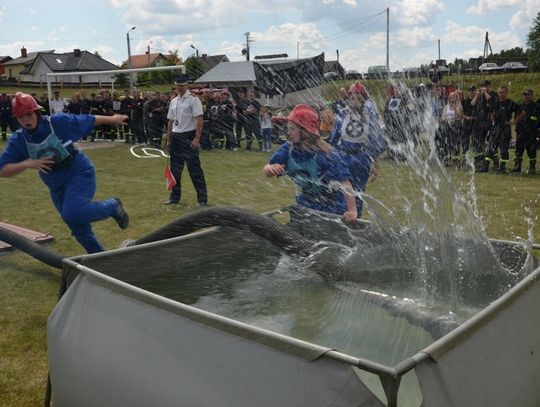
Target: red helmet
x=23, y=103
x=305, y=117
x=357, y=87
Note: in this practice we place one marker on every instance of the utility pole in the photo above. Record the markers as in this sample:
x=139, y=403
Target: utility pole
x=439, y=48
x=388, y=38
x=487, y=47
x=148, y=55
x=245, y=51
x=129, y=61
x=297, y=49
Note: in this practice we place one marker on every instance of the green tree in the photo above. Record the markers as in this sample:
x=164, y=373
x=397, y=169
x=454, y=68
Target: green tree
x=194, y=67
x=533, y=41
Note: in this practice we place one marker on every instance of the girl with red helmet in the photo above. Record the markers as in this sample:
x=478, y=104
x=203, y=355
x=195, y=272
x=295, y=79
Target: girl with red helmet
x=357, y=135
x=45, y=144
x=316, y=167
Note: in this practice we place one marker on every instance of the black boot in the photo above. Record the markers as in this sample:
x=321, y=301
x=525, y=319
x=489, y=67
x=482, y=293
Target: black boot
x=532, y=167
x=496, y=163
x=484, y=167
x=517, y=166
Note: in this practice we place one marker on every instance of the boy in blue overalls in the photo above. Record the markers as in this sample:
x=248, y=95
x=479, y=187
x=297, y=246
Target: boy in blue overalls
x=45, y=143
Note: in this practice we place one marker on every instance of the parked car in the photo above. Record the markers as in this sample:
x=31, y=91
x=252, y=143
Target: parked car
x=489, y=67
x=378, y=72
x=331, y=76
x=352, y=74
x=514, y=67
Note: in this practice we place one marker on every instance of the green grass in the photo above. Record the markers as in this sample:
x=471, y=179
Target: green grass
x=29, y=289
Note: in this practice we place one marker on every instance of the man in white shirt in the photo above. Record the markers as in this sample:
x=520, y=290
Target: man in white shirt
x=57, y=105
x=184, y=128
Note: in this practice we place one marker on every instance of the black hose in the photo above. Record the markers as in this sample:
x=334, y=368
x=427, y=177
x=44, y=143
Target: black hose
x=264, y=226
x=32, y=248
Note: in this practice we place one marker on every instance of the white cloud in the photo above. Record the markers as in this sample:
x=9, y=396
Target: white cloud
x=457, y=34
x=288, y=34
x=487, y=6
x=525, y=15
x=417, y=12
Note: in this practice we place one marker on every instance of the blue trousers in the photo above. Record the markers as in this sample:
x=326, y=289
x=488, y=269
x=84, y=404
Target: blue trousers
x=74, y=203
x=183, y=154
x=359, y=166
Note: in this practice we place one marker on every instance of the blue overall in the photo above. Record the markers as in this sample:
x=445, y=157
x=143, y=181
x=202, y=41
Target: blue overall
x=72, y=181
x=358, y=137
x=317, y=176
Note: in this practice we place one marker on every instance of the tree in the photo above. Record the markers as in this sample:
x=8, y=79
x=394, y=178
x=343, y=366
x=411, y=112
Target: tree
x=96, y=53
x=533, y=41
x=194, y=67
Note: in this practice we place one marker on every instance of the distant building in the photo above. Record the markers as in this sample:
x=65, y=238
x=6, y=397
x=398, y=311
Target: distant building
x=13, y=68
x=146, y=60
x=36, y=71
x=3, y=60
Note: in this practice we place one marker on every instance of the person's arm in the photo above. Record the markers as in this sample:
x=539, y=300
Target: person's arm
x=196, y=142
x=41, y=164
x=168, y=135
x=274, y=170
x=351, y=214
x=114, y=119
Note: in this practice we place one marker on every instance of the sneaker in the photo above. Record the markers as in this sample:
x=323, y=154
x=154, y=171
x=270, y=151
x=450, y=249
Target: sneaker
x=121, y=216
x=170, y=202
x=202, y=204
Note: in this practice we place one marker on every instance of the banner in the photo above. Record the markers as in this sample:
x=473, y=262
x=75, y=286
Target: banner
x=281, y=78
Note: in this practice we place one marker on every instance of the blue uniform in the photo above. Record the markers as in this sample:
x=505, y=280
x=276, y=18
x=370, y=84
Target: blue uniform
x=317, y=176
x=72, y=182
x=358, y=137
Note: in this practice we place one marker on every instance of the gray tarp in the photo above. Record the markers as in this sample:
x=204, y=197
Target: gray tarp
x=493, y=359
x=111, y=344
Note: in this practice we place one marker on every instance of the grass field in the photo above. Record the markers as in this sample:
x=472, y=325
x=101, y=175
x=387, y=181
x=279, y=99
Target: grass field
x=28, y=289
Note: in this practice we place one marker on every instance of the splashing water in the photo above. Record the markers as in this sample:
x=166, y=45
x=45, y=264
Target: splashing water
x=440, y=248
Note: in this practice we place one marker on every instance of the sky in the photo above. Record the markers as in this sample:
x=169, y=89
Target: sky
x=353, y=30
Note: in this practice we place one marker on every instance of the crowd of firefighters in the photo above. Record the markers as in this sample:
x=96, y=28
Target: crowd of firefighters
x=484, y=120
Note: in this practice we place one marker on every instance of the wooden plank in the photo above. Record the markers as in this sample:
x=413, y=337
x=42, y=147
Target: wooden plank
x=38, y=237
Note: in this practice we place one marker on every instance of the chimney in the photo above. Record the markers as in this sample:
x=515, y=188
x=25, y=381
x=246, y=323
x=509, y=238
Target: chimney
x=77, y=52
x=24, y=54
x=204, y=55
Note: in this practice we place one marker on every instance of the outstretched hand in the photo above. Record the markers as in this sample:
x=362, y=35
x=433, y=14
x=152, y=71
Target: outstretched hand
x=274, y=170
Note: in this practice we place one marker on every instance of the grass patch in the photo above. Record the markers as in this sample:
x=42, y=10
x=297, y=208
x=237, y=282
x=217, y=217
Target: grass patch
x=29, y=289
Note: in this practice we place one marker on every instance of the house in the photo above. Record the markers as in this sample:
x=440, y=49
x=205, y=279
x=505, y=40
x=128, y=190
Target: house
x=82, y=61
x=197, y=66
x=146, y=60
x=281, y=82
x=12, y=69
x=3, y=60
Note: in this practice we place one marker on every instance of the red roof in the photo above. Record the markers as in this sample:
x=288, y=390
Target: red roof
x=142, y=61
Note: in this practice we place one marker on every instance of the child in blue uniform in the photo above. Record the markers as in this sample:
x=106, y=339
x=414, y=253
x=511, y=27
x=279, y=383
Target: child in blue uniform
x=358, y=137
x=317, y=169
x=45, y=143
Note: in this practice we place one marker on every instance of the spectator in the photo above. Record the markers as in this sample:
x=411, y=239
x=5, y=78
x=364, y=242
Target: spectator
x=482, y=101
x=527, y=123
x=240, y=106
x=226, y=121
x=266, y=129
x=451, y=120
x=252, y=121
x=501, y=134
x=183, y=141
x=57, y=105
